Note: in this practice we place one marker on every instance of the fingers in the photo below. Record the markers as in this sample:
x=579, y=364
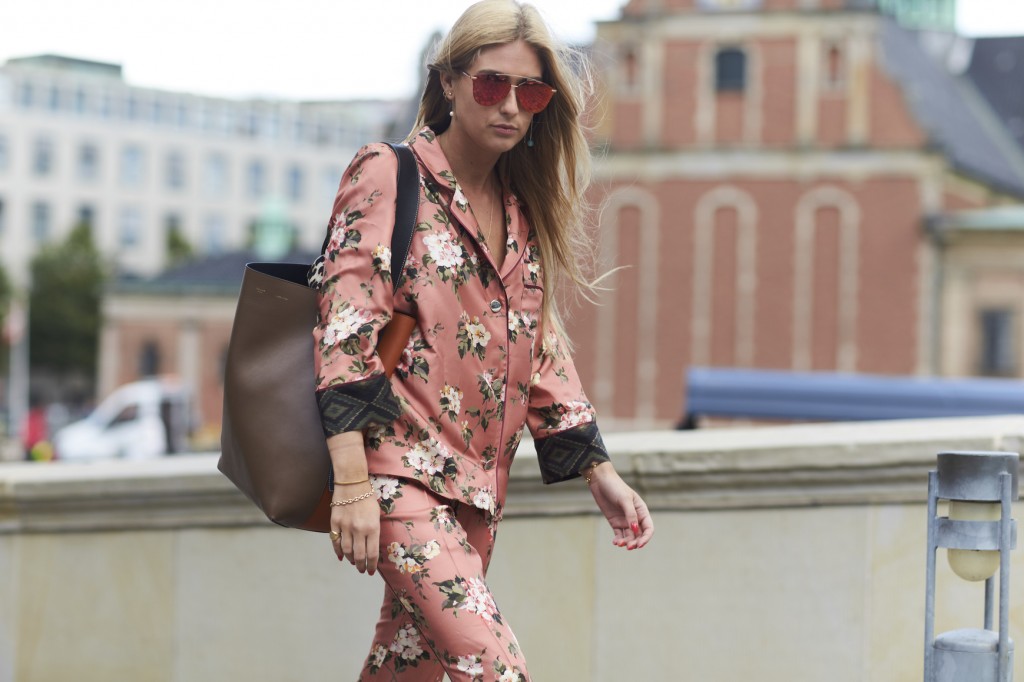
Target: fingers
x=632, y=524
x=645, y=521
x=355, y=536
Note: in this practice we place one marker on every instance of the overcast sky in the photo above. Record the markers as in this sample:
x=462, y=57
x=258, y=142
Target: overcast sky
x=303, y=49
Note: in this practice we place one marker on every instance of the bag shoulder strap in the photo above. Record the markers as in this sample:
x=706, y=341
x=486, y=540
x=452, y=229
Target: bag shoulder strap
x=407, y=204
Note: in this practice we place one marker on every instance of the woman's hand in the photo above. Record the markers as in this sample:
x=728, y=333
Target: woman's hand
x=355, y=525
x=625, y=510
x=359, y=525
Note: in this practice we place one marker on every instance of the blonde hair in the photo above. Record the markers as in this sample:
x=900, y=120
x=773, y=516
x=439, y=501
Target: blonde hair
x=551, y=178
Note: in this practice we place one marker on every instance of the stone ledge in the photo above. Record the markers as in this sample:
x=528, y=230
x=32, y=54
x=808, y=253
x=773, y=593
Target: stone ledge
x=785, y=466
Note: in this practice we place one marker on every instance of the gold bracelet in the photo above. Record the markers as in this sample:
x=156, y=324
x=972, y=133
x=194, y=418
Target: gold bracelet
x=342, y=503
x=365, y=480
x=589, y=472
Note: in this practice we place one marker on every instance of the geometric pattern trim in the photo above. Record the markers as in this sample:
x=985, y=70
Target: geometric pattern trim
x=563, y=455
x=354, y=406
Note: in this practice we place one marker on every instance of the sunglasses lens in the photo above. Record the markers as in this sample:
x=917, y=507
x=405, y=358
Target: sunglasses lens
x=533, y=96
x=491, y=88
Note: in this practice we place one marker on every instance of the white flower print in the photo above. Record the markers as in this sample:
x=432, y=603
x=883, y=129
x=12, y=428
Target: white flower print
x=470, y=665
x=403, y=561
x=344, y=324
x=509, y=676
x=444, y=252
x=484, y=499
x=383, y=254
x=574, y=413
x=428, y=457
x=451, y=399
x=407, y=643
x=460, y=199
x=431, y=549
x=478, y=600
x=378, y=655
x=478, y=335
x=384, y=486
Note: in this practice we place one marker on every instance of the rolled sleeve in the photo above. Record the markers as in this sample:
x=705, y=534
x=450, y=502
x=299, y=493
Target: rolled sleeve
x=356, y=298
x=560, y=418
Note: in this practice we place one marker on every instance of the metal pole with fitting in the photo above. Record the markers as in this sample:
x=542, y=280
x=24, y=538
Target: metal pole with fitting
x=978, y=534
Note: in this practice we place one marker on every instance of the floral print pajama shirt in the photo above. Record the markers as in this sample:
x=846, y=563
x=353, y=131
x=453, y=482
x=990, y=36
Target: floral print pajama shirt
x=441, y=433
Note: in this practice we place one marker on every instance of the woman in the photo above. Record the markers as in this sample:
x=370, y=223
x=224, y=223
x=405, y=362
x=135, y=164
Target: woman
x=421, y=461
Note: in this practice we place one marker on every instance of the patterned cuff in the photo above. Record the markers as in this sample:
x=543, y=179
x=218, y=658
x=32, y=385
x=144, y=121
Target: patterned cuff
x=563, y=455
x=354, y=406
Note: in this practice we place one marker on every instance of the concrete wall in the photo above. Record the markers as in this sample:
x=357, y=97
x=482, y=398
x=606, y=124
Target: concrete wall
x=781, y=554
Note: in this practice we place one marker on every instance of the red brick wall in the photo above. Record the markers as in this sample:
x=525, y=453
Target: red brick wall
x=886, y=321
x=679, y=93
x=778, y=114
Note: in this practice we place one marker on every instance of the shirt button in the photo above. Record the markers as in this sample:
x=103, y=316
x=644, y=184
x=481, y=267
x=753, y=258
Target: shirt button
x=495, y=306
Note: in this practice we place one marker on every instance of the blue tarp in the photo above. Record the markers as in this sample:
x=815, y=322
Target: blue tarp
x=821, y=396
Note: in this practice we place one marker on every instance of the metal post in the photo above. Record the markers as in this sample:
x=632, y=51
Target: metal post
x=990, y=593
x=1004, y=578
x=929, y=595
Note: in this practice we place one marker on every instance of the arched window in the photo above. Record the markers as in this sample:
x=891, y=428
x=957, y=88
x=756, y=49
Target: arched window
x=730, y=70
x=149, y=359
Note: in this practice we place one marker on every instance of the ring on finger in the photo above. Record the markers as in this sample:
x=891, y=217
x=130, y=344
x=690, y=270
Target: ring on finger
x=335, y=535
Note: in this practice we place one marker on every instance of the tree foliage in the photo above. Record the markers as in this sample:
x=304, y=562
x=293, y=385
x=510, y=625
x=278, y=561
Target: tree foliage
x=179, y=249
x=6, y=291
x=5, y=295
x=64, y=306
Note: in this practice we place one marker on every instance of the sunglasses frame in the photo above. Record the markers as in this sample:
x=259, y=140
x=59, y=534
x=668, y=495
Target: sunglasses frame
x=511, y=86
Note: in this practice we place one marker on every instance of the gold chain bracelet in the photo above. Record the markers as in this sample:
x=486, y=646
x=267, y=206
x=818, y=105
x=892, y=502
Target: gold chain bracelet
x=342, y=503
x=588, y=473
x=365, y=480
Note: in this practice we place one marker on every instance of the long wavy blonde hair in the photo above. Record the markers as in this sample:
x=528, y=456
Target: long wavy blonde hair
x=550, y=179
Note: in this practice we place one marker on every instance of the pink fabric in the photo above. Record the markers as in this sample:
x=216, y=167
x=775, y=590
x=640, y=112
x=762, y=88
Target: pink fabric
x=478, y=366
x=438, y=615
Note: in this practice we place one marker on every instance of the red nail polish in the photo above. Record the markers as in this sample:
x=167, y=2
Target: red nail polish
x=341, y=557
x=635, y=527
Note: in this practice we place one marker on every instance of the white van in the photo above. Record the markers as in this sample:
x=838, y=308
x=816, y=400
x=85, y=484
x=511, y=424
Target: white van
x=140, y=420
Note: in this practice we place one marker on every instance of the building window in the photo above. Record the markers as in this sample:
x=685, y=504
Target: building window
x=149, y=359
x=213, y=234
x=40, y=222
x=629, y=68
x=88, y=162
x=42, y=157
x=834, y=67
x=86, y=215
x=175, y=170
x=730, y=70
x=129, y=229
x=215, y=176
x=27, y=95
x=132, y=108
x=106, y=105
x=53, y=101
x=998, y=355
x=329, y=182
x=131, y=166
x=5, y=153
x=294, y=182
x=81, y=101
x=256, y=179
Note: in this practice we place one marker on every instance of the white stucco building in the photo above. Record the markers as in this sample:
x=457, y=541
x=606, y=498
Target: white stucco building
x=77, y=142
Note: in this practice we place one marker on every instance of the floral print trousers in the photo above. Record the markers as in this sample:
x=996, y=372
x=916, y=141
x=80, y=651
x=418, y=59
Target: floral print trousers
x=438, y=615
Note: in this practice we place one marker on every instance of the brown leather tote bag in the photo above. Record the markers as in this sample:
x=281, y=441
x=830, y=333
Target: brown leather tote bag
x=273, y=446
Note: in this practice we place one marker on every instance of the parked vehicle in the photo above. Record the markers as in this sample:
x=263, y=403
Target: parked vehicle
x=140, y=420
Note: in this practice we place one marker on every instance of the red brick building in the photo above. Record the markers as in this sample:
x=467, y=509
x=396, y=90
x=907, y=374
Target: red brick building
x=770, y=172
